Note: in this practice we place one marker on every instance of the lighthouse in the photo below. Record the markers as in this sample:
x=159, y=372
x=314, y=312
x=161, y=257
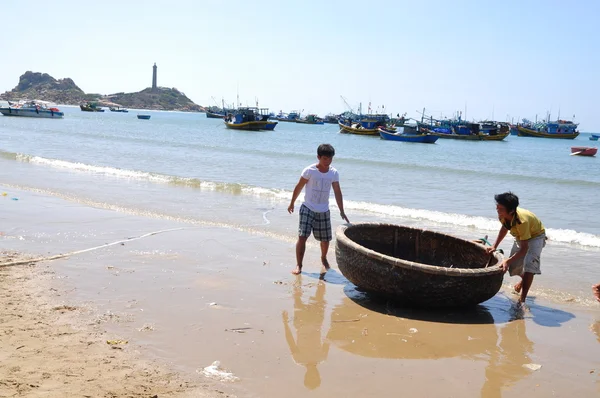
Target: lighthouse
x=154, y=76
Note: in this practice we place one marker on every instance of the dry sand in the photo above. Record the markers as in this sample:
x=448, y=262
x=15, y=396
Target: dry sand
x=51, y=349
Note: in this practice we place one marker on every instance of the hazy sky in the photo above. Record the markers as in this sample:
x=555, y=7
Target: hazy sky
x=496, y=58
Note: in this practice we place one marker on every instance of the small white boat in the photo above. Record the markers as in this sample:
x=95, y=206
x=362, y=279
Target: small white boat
x=34, y=108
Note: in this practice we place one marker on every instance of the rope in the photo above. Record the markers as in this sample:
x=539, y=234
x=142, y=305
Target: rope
x=35, y=260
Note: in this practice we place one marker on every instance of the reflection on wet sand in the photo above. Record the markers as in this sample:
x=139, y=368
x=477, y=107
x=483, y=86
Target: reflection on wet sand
x=595, y=327
x=380, y=330
x=507, y=359
x=308, y=349
x=387, y=334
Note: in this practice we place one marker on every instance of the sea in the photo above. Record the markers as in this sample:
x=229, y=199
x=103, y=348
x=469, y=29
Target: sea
x=186, y=167
x=209, y=280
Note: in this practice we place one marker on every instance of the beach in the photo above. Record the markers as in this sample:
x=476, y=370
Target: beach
x=191, y=248
x=195, y=294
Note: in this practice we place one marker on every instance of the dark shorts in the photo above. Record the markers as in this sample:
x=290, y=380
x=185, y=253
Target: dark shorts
x=318, y=223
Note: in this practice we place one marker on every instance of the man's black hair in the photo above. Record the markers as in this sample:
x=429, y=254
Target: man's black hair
x=508, y=200
x=325, y=150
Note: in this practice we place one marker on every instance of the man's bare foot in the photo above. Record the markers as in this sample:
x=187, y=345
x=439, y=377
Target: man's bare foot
x=596, y=290
x=518, y=287
x=297, y=270
x=325, y=266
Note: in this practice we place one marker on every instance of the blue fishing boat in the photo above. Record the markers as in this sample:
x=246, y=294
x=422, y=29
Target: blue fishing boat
x=424, y=138
x=287, y=117
x=250, y=118
x=594, y=137
x=143, y=117
x=554, y=129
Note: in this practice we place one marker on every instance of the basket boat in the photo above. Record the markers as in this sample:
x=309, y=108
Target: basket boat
x=417, y=267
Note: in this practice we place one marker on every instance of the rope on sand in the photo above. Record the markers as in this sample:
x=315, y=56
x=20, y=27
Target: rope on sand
x=35, y=260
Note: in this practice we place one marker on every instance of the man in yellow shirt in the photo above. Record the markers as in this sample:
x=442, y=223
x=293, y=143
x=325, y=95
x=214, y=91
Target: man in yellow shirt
x=530, y=239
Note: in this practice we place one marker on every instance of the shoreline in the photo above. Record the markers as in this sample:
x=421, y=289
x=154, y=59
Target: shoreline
x=50, y=347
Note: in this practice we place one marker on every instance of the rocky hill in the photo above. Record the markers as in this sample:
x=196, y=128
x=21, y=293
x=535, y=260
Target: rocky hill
x=161, y=98
x=42, y=86
x=35, y=85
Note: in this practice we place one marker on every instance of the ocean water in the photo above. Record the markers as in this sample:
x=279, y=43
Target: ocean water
x=186, y=167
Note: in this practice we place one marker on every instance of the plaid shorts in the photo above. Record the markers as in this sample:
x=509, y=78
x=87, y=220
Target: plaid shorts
x=319, y=223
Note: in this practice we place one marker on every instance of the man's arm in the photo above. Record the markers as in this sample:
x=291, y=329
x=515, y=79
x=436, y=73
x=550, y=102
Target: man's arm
x=523, y=247
x=501, y=234
x=339, y=198
x=296, y=193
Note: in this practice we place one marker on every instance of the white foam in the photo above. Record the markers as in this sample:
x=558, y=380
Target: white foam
x=573, y=237
x=565, y=236
x=462, y=220
x=214, y=371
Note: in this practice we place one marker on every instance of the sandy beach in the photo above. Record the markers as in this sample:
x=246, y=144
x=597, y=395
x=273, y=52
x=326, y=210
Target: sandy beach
x=196, y=294
x=52, y=349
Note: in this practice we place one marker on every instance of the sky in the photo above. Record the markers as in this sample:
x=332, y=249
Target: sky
x=505, y=60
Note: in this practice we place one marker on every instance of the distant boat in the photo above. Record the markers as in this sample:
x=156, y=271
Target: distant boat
x=424, y=138
x=287, y=117
x=594, y=137
x=118, y=109
x=90, y=107
x=34, y=108
x=364, y=124
x=331, y=118
x=143, y=117
x=310, y=119
x=583, y=151
x=467, y=131
x=253, y=119
x=215, y=115
x=557, y=129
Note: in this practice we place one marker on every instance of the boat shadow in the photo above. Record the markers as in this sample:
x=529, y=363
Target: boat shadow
x=494, y=311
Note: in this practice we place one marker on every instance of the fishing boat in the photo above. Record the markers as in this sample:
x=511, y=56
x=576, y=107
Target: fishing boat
x=287, y=117
x=557, y=129
x=356, y=128
x=35, y=108
x=310, y=119
x=214, y=115
x=364, y=124
x=90, y=107
x=424, y=138
x=594, y=137
x=417, y=267
x=143, y=117
x=330, y=118
x=583, y=151
x=250, y=118
x=118, y=109
x=469, y=132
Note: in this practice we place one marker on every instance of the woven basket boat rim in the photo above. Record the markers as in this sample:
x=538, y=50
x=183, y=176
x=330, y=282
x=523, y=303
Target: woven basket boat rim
x=340, y=235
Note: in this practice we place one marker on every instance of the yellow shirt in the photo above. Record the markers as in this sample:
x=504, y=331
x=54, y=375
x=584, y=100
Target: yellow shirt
x=524, y=225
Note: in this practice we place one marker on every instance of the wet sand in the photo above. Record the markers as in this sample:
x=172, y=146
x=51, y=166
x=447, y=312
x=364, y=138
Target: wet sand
x=185, y=298
x=51, y=349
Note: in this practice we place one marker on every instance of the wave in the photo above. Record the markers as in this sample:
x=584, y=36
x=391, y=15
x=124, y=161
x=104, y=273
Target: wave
x=565, y=236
